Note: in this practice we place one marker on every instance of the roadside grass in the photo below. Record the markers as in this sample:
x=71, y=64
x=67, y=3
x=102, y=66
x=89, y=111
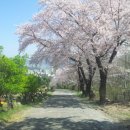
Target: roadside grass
x=118, y=111
x=19, y=110
x=85, y=100
x=79, y=94
x=14, y=114
x=49, y=94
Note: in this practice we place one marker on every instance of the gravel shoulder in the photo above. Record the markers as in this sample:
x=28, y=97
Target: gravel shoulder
x=64, y=111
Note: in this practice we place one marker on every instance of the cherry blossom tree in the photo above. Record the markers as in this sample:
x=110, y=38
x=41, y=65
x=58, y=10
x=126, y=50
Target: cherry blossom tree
x=112, y=32
x=109, y=30
x=56, y=43
x=86, y=33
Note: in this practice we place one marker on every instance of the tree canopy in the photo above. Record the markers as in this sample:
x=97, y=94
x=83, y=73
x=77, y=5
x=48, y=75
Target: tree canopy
x=84, y=35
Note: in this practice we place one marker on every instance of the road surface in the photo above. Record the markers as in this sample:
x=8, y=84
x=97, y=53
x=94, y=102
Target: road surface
x=64, y=111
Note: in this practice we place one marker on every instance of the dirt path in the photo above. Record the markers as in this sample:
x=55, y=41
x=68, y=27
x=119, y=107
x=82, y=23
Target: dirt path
x=63, y=111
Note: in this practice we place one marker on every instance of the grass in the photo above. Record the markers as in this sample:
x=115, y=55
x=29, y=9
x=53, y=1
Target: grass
x=85, y=100
x=49, y=93
x=120, y=112
x=13, y=114
x=19, y=111
x=79, y=94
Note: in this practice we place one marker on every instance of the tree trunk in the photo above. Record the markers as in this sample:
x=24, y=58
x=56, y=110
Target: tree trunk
x=88, y=82
x=102, y=88
x=81, y=82
x=103, y=80
x=85, y=81
x=82, y=78
x=91, y=71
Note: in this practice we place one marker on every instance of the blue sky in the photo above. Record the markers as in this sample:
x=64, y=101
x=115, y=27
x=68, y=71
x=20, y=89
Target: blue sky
x=13, y=13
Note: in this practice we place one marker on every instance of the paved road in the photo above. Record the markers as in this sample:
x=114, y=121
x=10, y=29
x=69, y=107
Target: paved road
x=63, y=111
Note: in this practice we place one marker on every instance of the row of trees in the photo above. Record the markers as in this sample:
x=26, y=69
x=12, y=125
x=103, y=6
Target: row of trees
x=15, y=81
x=82, y=36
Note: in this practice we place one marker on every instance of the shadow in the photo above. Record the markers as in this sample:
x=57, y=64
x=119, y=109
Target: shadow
x=64, y=124
x=62, y=101
x=2, y=126
x=68, y=123
x=126, y=123
x=1, y=111
x=94, y=104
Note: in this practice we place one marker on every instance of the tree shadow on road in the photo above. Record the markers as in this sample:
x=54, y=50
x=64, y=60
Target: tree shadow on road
x=62, y=101
x=2, y=126
x=64, y=124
